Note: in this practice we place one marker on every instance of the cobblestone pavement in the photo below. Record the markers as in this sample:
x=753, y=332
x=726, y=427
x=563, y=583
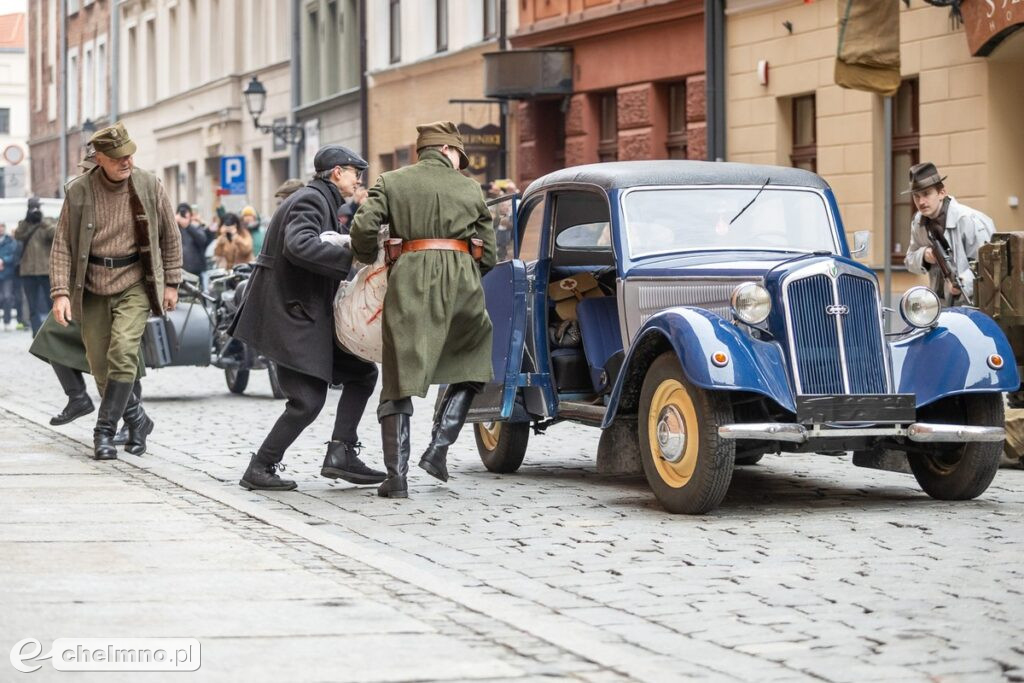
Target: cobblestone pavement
x=811, y=568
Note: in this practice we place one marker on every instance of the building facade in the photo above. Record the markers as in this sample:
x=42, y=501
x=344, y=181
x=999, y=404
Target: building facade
x=425, y=63
x=638, y=88
x=84, y=91
x=956, y=109
x=15, y=171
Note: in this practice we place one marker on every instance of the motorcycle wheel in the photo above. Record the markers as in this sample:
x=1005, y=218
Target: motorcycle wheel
x=237, y=380
x=275, y=384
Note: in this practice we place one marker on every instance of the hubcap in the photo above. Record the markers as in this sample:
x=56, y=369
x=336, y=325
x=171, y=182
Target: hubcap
x=673, y=433
x=490, y=432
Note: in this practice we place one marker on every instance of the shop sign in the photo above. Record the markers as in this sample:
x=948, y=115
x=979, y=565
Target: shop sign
x=989, y=22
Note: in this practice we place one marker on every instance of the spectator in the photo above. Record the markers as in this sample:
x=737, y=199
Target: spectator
x=345, y=214
x=234, y=243
x=36, y=236
x=287, y=188
x=194, y=240
x=10, y=252
x=252, y=222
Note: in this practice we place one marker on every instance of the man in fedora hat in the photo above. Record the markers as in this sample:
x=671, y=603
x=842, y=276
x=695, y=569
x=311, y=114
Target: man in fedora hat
x=958, y=228
x=435, y=326
x=116, y=259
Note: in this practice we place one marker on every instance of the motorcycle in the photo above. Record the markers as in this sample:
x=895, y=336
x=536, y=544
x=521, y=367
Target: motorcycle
x=185, y=337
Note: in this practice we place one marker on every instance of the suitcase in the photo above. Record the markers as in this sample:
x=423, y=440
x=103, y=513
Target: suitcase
x=183, y=336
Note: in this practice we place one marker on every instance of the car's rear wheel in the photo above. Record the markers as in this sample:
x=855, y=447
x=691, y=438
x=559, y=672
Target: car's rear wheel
x=963, y=472
x=502, y=445
x=686, y=463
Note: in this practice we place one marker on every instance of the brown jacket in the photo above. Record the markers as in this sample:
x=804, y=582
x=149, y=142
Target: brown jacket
x=36, y=239
x=229, y=253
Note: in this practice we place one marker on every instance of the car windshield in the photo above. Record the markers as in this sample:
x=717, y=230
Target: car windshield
x=660, y=221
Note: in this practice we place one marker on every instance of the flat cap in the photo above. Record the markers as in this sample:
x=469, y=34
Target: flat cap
x=113, y=141
x=330, y=156
x=441, y=133
x=288, y=187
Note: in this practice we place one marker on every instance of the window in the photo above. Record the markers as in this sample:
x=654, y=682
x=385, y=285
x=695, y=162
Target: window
x=402, y=157
x=151, y=61
x=676, y=142
x=333, y=45
x=531, y=221
x=72, y=6
x=132, y=57
x=906, y=151
x=395, y=30
x=490, y=18
x=101, y=77
x=608, y=144
x=192, y=53
x=71, y=114
x=805, y=134
x=311, y=58
x=387, y=162
x=175, y=41
x=88, y=83
x=442, y=25
x=5, y=121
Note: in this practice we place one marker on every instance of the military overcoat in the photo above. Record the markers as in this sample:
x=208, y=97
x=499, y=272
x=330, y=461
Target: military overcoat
x=435, y=326
x=288, y=311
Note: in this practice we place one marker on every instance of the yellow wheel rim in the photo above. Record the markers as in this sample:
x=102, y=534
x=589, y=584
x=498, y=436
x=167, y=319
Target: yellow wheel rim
x=673, y=431
x=489, y=434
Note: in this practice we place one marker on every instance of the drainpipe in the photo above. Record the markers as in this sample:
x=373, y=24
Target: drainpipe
x=364, y=88
x=714, y=78
x=503, y=105
x=296, y=77
x=887, y=199
x=114, y=60
x=62, y=101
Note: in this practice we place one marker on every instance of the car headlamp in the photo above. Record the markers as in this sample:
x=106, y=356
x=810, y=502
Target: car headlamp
x=751, y=303
x=920, y=307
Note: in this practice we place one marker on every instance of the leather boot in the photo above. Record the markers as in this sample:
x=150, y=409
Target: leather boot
x=394, y=431
x=342, y=462
x=73, y=384
x=262, y=476
x=138, y=423
x=115, y=398
x=122, y=435
x=451, y=415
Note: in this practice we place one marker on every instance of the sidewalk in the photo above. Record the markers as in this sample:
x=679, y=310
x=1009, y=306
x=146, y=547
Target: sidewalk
x=108, y=550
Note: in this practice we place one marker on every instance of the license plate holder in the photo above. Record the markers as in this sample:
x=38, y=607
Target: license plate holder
x=889, y=408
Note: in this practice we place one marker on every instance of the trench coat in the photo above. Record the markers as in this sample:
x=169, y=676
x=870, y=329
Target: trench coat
x=435, y=325
x=288, y=311
x=63, y=346
x=966, y=230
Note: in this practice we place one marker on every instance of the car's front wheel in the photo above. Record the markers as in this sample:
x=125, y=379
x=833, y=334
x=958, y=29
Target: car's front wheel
x=963, y=472
x=502, y=445
x=686, y=463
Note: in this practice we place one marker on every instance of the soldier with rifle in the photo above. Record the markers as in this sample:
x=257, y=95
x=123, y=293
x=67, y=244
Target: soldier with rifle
x=944, y=236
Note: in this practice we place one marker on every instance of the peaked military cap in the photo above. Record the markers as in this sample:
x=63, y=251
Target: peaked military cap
x=113, y=141
x=441, y=133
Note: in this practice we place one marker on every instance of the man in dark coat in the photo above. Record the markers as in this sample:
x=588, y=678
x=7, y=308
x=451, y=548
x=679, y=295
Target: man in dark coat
x=194, y=240
x=435, y=325
x=288, y=315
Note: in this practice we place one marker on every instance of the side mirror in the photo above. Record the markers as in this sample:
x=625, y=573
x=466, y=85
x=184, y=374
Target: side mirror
x=861, y=243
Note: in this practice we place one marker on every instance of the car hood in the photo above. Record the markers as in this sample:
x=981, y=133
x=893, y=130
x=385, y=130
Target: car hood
x=739, y=263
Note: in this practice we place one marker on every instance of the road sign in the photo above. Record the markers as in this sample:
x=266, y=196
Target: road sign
x=232, y=174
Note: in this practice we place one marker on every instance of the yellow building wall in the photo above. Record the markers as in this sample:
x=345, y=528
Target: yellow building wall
x=957, y=111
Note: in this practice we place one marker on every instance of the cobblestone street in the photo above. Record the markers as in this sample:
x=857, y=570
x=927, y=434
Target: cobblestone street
x=811, y=569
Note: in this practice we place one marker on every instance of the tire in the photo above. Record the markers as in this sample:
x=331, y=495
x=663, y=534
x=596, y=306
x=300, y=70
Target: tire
x=502, y=445
x=749, y=460
x=237, y=380
x=275, y=384
x=670, y=406
x=965, y=472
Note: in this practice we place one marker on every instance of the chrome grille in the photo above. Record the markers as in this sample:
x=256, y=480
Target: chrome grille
x=836, y=352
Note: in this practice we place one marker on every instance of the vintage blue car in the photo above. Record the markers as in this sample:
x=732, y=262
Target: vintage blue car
x=704, y=314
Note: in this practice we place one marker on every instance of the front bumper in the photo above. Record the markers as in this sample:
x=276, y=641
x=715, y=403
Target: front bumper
x=921, y=432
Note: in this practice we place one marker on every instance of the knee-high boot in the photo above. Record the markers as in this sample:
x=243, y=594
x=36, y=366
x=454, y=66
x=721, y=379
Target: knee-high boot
x=138, y=422
x=115, y=398
x=394, y=430
x=451, y=415
x=73, y=384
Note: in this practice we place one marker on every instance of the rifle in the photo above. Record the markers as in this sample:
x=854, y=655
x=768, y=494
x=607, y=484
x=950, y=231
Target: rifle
x=945, y=263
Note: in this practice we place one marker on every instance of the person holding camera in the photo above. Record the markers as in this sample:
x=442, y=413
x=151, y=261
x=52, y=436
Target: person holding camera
x=194, y=240
x=234, y=243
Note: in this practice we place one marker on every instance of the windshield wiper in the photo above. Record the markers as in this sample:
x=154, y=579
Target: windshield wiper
x=751, y=201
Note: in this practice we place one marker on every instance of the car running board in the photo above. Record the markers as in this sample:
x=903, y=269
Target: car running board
x=582, y=412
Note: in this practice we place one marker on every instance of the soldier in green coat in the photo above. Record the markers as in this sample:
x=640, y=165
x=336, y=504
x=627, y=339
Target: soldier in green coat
x=435, y=325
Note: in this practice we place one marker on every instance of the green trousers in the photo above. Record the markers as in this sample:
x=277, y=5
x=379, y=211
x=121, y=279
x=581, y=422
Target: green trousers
x=112, y=328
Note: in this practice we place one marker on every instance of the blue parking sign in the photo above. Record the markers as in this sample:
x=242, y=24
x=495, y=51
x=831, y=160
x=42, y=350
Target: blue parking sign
x=232, y=174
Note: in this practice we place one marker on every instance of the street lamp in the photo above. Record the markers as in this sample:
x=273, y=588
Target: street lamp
x=256, y=102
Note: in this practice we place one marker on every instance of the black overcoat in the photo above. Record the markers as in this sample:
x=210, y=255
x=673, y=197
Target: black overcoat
x=288, y=312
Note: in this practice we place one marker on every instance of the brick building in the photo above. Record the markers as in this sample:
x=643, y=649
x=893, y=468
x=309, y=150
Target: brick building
x=638, y=88
x=88, y=78
x=959, y=106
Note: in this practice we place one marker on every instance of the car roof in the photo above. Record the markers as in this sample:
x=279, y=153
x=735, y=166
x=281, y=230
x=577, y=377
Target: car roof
x=615, y=175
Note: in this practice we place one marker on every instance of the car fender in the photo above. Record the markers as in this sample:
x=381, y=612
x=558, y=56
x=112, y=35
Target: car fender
x=695, y=334
x=953, y=358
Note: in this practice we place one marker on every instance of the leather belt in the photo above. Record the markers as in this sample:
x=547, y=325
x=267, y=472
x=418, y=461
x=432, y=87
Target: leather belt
x=424, y=245
x=115, y=262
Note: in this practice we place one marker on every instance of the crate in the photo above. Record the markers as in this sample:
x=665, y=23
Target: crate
x=999, y=290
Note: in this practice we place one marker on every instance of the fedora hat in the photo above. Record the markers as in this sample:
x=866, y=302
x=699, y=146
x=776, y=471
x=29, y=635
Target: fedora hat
x=923, y=176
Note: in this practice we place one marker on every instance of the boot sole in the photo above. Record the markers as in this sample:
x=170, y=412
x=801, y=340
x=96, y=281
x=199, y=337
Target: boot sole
x=252, y=487
x=393, y=494
x=352, y=477
x=57, y=421
x=146, y=431
x=429, y=468
x=104, y=456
